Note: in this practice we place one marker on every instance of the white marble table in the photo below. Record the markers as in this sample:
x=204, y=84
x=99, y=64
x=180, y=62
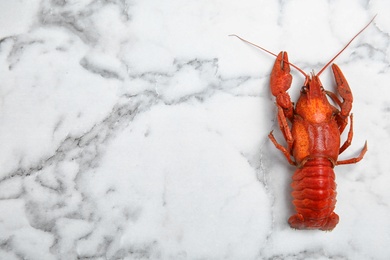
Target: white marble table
x=138, y=129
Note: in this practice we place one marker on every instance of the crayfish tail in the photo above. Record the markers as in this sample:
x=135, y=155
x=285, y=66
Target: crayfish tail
x=314, y=198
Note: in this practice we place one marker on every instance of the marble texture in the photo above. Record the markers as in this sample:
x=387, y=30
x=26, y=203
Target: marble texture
x=138, y=129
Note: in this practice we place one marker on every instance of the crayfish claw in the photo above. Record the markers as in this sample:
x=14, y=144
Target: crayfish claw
x=344, y=91
x=280, y=76
x=284, y=64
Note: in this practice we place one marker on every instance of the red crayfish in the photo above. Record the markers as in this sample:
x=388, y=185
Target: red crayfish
x=312, y=130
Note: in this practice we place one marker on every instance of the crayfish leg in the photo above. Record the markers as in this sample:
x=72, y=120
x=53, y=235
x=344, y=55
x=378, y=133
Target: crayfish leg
x=281, y=148
x=355, y=159
x=348, y=142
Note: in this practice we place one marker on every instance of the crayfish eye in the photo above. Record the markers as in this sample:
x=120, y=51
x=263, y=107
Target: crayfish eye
x=304, y=90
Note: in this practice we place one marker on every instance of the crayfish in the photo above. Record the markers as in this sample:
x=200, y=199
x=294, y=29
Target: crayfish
x=312, y=130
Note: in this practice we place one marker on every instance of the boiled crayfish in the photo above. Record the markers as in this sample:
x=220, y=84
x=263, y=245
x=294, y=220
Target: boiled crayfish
x=312, y=131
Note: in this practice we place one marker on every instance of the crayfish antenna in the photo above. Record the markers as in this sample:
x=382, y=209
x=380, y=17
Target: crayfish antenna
x=257, y=46
x=353, y=38
x=270, y=52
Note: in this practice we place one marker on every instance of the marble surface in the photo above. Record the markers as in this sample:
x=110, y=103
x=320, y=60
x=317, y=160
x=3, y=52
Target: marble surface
x=138, y=129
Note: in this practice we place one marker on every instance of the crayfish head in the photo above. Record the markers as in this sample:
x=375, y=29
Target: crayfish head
x=313, y=105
